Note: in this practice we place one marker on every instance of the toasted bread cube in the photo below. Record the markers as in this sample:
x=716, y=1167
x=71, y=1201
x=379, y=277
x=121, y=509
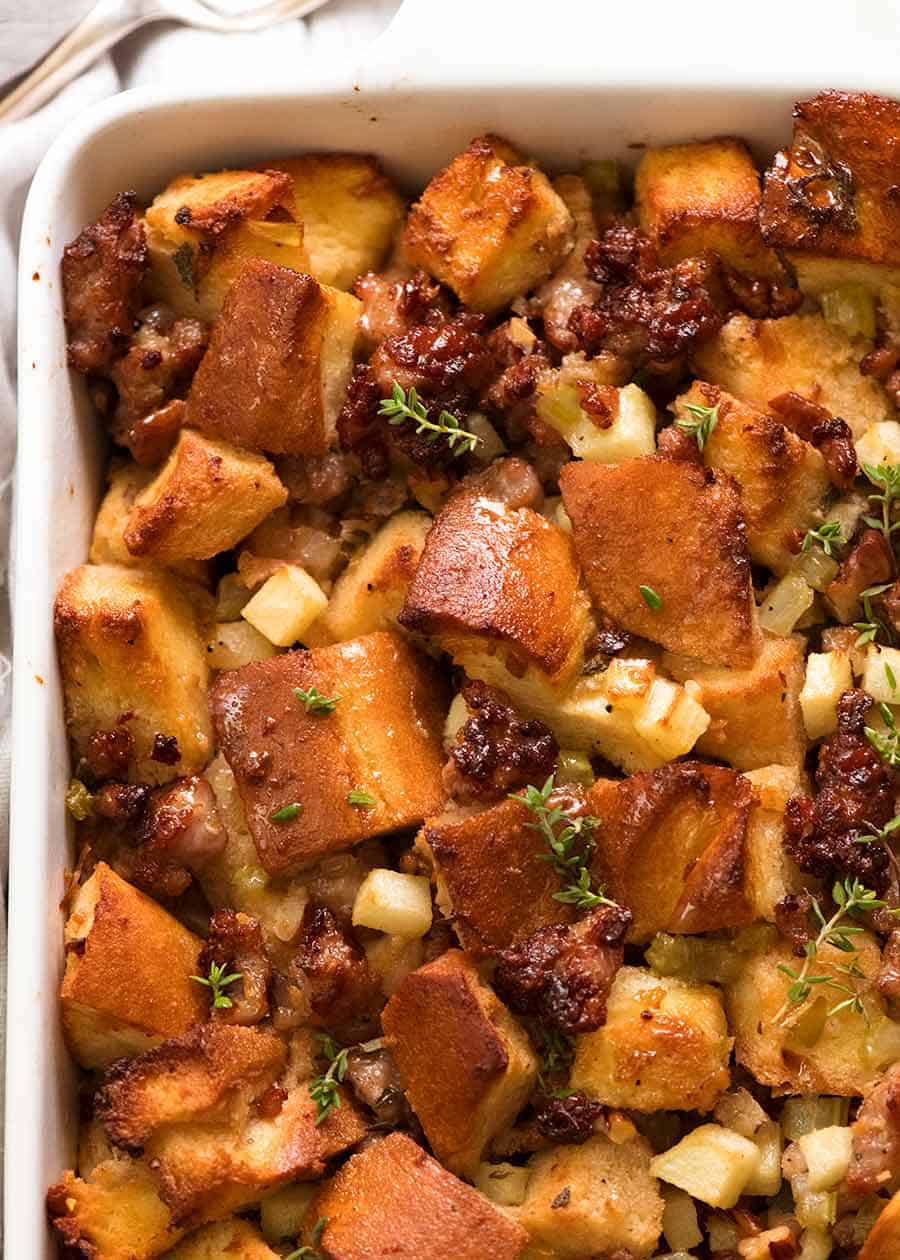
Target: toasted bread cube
x=128, y=981
x=207, y=497
x=758, y=359
x=770, y=875
x=286, y=605
x=495, y=576
x=664, y=1047
x=467, y=1066
x=350, y=213
x=782, y=479
x=712, y=1163
x=672, y=847
x=383, y=737
x=800, y=1049
x=828, y=676
x=117, y=1214
x=828, y=200
x=755, y=714
x=492, y=878
x=234, y=1238
x=704, y=196
x=278, y=362
x=131, y=656
x=391, y=902
x=370, y=592
x=186, y=1078
x=488, y=226
x=883, y=1242
x=393, y=1198
x=656, y=525
x=880, y=444
x=596, y=1198
x=202, y=228
x=598, y=421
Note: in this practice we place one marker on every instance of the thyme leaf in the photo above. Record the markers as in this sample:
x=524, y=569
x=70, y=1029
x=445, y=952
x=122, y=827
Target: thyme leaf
x=216, y=982
x=401, y=407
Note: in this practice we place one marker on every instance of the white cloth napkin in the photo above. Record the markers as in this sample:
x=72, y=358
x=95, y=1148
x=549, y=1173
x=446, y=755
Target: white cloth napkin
x=274, y=58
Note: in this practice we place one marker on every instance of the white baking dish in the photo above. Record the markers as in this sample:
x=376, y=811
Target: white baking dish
x=415, y=112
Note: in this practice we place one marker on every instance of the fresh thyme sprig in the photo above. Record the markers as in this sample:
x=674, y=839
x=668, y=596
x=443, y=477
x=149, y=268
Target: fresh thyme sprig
x=870, y=627
x=216, y=982
x=701, y=426
x=314, y=701
x=570, y=843
x=852, y=899
x=879, y=834
x=323, y=1090
x=887, y=478
x=403, y=406
x=828, y=536
x=886, y=743
x=310, y=1250
x=558, y=1054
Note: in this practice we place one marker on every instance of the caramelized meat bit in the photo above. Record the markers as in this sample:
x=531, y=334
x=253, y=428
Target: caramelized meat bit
x=792, y=918
x=869, y=563
x=342, y=990
x=374, y=1079
x=875, y=1158
x=391, y=307
x=758, y=297
x=235, y=942
x=829, y=434
x=512, y=481
x=360, y=429
x=315, y=480
x=516, y=384
x=647, y=314
x=562, y=975
x=884, y=365
x=163, y=356
x=497, y=751
x=121, y=803
x=102, y=271
x=152, y=437
x=108, y=753
x=180, y=830
x=855, y=796
x=570, y=1120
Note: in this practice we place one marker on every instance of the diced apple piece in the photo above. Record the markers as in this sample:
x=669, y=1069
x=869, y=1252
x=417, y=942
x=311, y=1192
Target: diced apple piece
x=767, y=1178
x=286, y=605
x=828, y=676
x=784, y=604
x=712, y=1164
x=881, y=674
x=391, y=902
x=237, y=643
x=615, y=425
x=504, y=1184
x=827, y=1154
x=281, y=1214
x=680, y=1226
x=880, y=444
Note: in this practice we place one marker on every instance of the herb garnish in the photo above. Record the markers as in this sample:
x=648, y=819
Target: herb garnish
x=887, y=478
x=216, y=981
x=852, y=900
x=287, y=813
x=183, y=258
x=570, y=842
x=651, y=598
x=401, y=407
x=309, y=1251
x=886, y=743
x=879, y=834
x=558, y=1054
x=79, y=801
x=890, y=677
x=869, y=628
x=323, y=1090
x=315, y=702
x=704, y=421
x=364, y=799
x=828, y=536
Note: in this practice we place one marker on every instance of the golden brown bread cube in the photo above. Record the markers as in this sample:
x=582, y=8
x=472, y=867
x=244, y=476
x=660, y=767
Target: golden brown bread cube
x=592, y=1199
x=278, y=362
x=370, y=592
x=758, y=359
x=382, y=737
x=883, y=1242
x=664, y=1046
x=393, y=1199
x=671, y=846
x=132, y=659
x=658, y=524
x=350, y=213
x=115, y=1214
x=488, y=226
x=770, y=874
x=185, y=1078
x=829, y=200
x=234, y=1239
x=800, y=1049
x=498, y=578
x=128, y=981
x=467, y=1066
x=755, y=713
x=704, y=196
x=782, y=479
x=201, y=229
x=206, y=497
x=493, y=880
